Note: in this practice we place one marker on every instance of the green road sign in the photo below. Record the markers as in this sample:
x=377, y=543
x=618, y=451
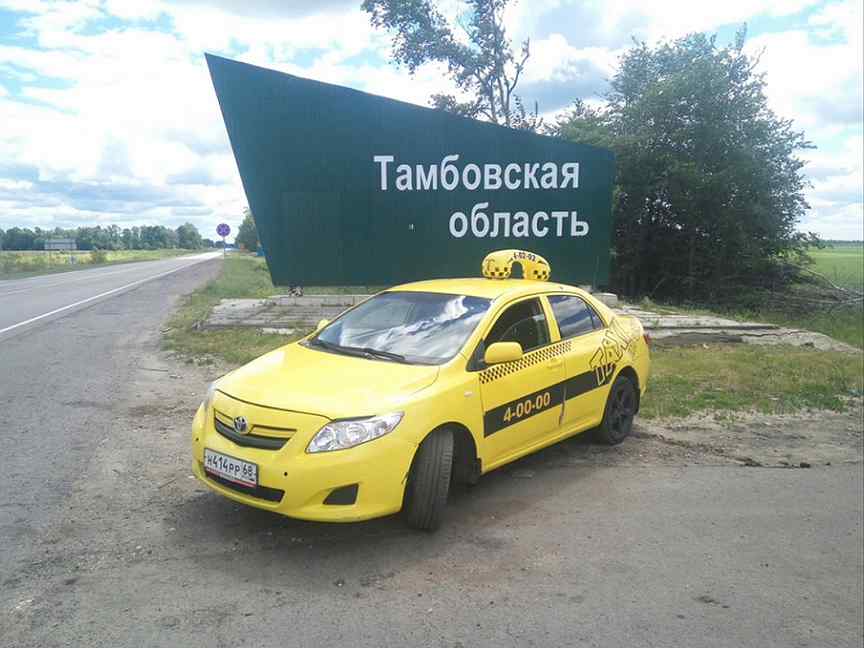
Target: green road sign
x=348, y=188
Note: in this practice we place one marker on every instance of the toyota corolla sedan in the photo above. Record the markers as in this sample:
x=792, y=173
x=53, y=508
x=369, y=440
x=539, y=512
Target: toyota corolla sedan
x=420, y=386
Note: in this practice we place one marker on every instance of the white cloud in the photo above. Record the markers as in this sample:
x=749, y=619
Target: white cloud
x=820, y=85
x=815, y=77
x=837, y=195
x=843, y=222
x=676, y=17
x=61, y=16
x=14, y=185
x=203, y=28
x=554, y=59
x=134, y=9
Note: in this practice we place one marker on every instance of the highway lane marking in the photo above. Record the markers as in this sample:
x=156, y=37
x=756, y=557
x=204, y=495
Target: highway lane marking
x=90, y=277
x=104, y=294
x=99, y=271
x=66, y=283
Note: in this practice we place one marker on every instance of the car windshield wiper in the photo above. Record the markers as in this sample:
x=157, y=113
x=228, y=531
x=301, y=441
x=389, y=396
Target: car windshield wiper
x=336, y=348
x=378, y=353
x=362, y=352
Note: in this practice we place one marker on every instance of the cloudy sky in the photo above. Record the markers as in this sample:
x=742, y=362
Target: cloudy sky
x=107, y=113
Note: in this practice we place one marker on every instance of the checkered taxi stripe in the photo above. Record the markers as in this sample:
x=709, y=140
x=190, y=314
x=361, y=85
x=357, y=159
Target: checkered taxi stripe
x=505, y=272
x=542, y=354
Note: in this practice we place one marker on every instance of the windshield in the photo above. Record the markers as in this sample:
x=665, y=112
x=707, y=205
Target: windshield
x=413, y=327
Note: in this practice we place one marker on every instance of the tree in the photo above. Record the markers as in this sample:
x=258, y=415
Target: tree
x=485, y=67
x=157, y=237
x=131, y=238
x=247, y=236
x=99, y=238
x=188, y=237
x=1, y=238
x=709, y=188
x=18, y=238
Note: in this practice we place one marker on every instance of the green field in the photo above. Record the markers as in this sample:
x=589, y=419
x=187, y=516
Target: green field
x=17, y=265
x=842, y=264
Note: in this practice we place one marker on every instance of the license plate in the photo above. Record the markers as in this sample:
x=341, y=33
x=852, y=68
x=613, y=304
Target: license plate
x=235, y=470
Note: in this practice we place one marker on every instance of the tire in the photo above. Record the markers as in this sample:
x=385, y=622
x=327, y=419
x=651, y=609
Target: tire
x=618, y=415
x=429, y=481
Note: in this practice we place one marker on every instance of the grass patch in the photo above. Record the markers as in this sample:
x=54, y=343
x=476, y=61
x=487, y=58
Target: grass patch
x=772, y=380
x=19, y=265
x=241, y=276
x=236, y=346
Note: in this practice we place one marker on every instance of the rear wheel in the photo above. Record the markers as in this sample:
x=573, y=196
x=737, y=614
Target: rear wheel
x=620, y=410
x=429, y=481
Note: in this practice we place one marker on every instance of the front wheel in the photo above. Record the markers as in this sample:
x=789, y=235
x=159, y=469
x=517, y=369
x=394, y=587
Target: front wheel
x=429, y=481
x=620, y=410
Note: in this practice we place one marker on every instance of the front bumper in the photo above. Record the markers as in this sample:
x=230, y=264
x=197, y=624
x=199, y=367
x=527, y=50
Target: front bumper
x=379, y=468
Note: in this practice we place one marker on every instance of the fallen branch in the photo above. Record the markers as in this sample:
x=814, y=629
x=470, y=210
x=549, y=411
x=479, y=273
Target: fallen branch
x=841, y=289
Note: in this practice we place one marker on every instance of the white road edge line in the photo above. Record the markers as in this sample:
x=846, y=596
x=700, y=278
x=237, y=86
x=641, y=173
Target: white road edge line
x=89, y=299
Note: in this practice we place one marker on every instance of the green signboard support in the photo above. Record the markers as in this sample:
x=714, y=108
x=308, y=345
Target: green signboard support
x=349, y=188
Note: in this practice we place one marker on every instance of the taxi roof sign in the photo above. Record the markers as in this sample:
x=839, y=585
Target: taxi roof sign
x=499, y=265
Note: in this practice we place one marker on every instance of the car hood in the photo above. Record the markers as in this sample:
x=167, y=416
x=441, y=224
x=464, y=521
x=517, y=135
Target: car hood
x=314, y=381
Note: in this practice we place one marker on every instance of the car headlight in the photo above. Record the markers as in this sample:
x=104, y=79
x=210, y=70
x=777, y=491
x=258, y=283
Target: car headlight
x=339, y=435
x=208, y=397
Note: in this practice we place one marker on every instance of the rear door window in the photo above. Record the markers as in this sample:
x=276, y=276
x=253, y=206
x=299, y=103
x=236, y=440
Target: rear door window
x=574, y=316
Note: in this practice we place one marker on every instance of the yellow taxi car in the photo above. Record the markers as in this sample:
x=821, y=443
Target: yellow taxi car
x=420, y=385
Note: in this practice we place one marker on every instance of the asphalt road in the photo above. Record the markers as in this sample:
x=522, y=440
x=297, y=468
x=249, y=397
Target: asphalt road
x=60, y=373
x=36, y=300
x=106, y=541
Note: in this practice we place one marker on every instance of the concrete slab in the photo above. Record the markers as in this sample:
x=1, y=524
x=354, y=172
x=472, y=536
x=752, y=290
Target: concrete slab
x=610, y=299
x=280, y=312
x=285, y=312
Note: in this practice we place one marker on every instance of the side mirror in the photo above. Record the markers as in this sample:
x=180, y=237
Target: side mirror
x=502, y=352
x=321, y=324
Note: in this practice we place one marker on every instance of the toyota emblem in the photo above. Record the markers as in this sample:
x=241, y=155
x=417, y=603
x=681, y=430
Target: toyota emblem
x=241, y=425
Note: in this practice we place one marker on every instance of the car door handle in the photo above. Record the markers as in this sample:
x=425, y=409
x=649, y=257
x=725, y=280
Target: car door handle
x=554, y=363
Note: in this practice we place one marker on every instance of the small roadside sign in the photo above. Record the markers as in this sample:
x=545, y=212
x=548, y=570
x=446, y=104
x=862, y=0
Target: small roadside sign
x=223, y=230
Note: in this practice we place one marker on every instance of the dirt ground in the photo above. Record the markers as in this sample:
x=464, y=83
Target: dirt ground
x=799, y=440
